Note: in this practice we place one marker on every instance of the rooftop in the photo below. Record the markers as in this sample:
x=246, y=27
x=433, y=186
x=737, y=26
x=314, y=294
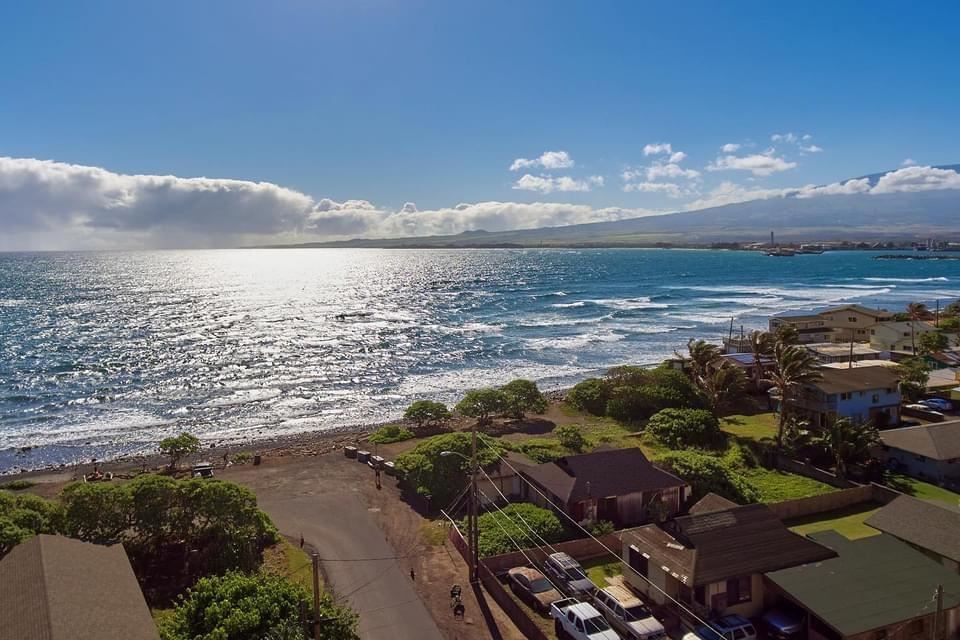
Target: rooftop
x=928, y=525
x=65, y=589
x=937, y=441
x=603, y=473
x=858, y=379
x=664, y=551
x=709, y=503
x=874, y=582
x=836, y=349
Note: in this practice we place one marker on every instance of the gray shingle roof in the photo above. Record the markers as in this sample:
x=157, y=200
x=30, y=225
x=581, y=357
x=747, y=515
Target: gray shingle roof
x=939, y=441
x=858, y=379
x=928, y=525
x=65, y=589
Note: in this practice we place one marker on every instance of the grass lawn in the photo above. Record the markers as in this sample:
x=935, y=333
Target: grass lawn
x=922, y=490
x=777, y=486
x=761, y=426
x=601, y=568
x=848, y=522
x=291, y=561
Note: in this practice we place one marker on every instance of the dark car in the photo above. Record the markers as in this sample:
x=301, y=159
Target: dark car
x=533, y=586
x=784, y=623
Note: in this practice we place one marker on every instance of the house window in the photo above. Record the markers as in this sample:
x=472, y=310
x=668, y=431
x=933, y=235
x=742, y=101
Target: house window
x=851, y=319
x=876, y=398
x=638, y=561
x=738, y=590
x=700, y=595
x=846, y=396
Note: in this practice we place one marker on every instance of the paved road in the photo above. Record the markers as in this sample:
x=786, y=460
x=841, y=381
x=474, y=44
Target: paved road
x=340, y=526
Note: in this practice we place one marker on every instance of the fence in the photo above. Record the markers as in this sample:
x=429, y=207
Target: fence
x=860, y=494
x=580, y=549
x=810, y=471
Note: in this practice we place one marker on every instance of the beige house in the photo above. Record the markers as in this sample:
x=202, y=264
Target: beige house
x=898, y=336
x=714, y=559
x=835, y=324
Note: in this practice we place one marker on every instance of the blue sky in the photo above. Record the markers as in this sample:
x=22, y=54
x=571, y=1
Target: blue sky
x=430, y=103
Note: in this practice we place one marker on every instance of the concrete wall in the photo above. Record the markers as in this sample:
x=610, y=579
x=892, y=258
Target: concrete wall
x=803, y=469
x=580, y=549
x=858, y=494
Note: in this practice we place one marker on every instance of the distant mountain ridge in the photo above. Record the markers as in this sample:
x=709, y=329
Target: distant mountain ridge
x=901, y=215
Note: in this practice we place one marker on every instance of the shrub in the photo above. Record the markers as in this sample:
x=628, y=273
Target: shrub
x=427, y=412
x=443, y=477
x=541, y=450
x=685, y=428
x=629, y=404
x=391, y=433
x=951, y=323
x=242, y=458
x=627, y=376
x=710, y=474
x=601, y=528
x=521, y=397
x=482, y=404
x=591, y=396
x=571, y=437
x=239, y=606
x=516, y=521
x=16, y=485
x=178, y=447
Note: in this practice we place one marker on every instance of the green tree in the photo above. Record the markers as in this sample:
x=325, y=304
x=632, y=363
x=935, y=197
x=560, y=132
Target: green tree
x=786, y=333
x=933, y=342
x=794, y=366
x=571, y=437
x=522, y=396
x=482, y=404
x=761, y=346
x=444, y=477
x=685, y=428
x=914, y=375
x=527, y=524
x=710, y=474
x=703, y=357
x=427, y=412
x=627, y=376
x=96, y=512
x=391, y=433
x=239, y=606
x=630, y=404
x=178, y=447
x=950, y=323
x=916, y=311
x=591, y=395
x=848, y=442
x=723, y=386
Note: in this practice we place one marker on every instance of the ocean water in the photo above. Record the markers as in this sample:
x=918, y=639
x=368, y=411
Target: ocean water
x=104, y=354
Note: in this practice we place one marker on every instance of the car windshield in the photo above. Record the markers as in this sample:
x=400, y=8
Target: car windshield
x=636, y=612
x=575, y=574
x=541, y=585
x=596, y=624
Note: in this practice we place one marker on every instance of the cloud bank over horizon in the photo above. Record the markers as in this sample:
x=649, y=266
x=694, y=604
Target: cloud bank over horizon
x=46, y=204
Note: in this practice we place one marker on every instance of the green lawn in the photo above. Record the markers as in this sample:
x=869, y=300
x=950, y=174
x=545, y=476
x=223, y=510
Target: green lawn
x=777, y=486
x=761, y=426
x=848, y=522
x=601, y=568
x=922, y=490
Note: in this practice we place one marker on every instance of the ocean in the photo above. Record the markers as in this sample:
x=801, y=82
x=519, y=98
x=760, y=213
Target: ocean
x=104, y=354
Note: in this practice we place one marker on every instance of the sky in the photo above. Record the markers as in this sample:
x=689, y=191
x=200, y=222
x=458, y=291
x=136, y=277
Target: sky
x=133, y=124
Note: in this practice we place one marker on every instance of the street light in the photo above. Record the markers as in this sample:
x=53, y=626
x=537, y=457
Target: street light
x=473, y=529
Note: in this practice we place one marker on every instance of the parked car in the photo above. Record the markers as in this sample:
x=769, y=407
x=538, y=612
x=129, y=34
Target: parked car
x=202, y=470
x=566, y=573
x=580, y=621
x=533, y=587
x=922, y=407
x=784, y=623
x=938, y=404
x=731, y=627
x=627, y=614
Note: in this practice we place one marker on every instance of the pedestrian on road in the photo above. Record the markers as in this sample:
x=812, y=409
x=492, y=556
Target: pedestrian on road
x=301, y=541
x=377, y=474
x=413, y=576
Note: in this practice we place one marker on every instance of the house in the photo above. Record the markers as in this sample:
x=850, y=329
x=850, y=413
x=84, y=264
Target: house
x=930, y=527
x=714, y=559
x=876, y=587
x=57, y=588
x=618, y=485
x=943, y=359
x=928, y=452
x=857, y=393
x=831, y=352
x=898, y=336
x=834, y=324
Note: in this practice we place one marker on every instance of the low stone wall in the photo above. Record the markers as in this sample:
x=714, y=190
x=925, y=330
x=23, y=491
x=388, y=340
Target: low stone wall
x=810, y=471
x=860, y=494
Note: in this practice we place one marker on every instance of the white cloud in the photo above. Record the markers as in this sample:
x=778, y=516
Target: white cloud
x=759, y=164
x=670, y=170
x=549, y=184
x=791, y=138
x=911, y=179
x=811, y=148
x=657, y=148
x=807, y=137
x=547, y=160
x=731, y=147
x=850, y=187
x=677, y=156
x=730, y=193
x=908, y=162
x=669, y=188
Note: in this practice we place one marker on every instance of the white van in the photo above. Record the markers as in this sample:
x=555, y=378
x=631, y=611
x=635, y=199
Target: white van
x=627, y=614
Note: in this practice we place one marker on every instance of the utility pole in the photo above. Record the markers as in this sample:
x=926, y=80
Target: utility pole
x=474, y=533
x=850, y=361
x=316, y=595
x=939, y=614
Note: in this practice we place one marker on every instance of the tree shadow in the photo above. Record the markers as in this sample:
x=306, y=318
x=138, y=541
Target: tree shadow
x=529, y=425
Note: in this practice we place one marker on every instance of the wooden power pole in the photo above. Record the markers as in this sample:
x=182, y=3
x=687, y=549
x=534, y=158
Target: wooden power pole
x=316, y=594
x=474, y=530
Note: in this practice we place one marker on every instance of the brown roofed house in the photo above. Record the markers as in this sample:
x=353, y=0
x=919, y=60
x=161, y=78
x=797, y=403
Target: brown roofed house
x=858, y=394
x=714, y=560
x=57, y=588
x=618, y=485
x=928, y=452
x=931, y=527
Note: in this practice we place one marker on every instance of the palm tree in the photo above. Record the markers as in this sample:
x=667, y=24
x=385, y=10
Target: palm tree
x=793, y=366
x=761, y=346
x=786, y=333
x=916, y=311
x=703, y=355
x=722, y=385
x=848, y=443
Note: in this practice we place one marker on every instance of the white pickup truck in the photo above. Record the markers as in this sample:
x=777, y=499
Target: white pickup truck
x=580, y=621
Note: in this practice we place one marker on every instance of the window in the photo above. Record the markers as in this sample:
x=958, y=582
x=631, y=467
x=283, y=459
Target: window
x=579, y=625
x=876, y=398
x=916, y=627
x=851, y=319
x=638, y=561
x=700, y=595
x=738, y=590
x=846, y=396
x=880, y=635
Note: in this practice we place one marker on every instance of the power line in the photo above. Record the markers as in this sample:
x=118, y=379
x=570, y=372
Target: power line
x=610, y=551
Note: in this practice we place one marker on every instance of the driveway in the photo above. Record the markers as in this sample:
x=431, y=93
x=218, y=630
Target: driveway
x=324, y=504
